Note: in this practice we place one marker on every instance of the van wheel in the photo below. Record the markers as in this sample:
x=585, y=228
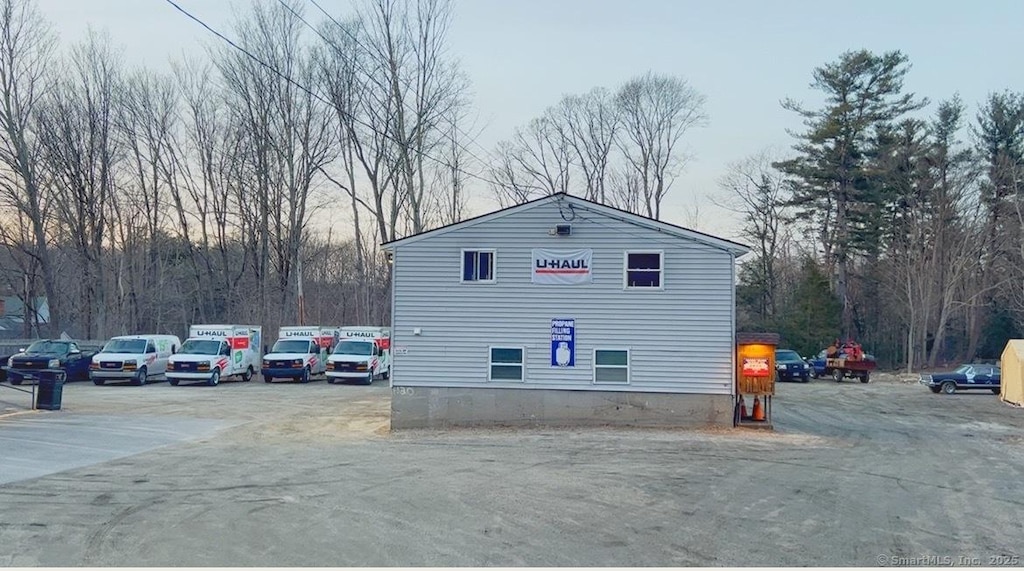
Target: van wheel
x=330, y=380
x=247, y=375
x=214, y=378
x=98, y=382
x=837, y=375
x=369, y=379
x=387, y=376
x=141, y=380
x=173, y=382
x=305, y=376
x=15, y=381
x=994, y=391
x=267, y=378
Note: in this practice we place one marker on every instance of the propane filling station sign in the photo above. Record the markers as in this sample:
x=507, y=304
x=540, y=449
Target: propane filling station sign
x=563, y=342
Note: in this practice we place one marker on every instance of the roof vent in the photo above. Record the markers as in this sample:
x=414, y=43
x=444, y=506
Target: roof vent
x=563, y=230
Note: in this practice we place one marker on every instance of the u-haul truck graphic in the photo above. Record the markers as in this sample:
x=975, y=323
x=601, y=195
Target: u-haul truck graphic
x=215, y=352
x=300, y=352
x=362, y=354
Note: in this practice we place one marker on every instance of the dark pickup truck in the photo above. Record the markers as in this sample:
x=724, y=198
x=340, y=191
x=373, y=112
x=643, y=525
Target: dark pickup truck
x=49, y=354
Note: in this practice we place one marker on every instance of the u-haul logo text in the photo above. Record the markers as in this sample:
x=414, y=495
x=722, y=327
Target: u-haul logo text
x=211, y=333
x=553, y=264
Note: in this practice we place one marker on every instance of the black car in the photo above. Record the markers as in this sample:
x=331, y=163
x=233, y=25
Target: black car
x=790, y=366
x=965, y=377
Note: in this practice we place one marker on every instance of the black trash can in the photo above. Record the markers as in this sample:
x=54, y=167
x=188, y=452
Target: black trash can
x=50, y=390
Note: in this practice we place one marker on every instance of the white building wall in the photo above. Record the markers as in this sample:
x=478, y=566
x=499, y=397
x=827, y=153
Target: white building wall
x=680, y=337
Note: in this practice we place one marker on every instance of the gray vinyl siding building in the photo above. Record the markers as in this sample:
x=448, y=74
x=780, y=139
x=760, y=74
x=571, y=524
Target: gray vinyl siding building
x=472, y=334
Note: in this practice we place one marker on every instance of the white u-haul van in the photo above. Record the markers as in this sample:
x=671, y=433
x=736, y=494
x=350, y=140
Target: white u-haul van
x=362, y=354
x=299, y=353
x=133, y=358
x=215, y=352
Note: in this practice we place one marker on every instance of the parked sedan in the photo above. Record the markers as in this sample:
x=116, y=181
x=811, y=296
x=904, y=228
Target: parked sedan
x=965, y=377
x=789, y=366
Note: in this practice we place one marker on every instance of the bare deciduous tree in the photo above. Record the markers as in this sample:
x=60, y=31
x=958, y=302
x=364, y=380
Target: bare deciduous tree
x=536, y=162
x=757, y=191
x=81, y=154
x=592, y=121
x=656, y=111
x=25, y=52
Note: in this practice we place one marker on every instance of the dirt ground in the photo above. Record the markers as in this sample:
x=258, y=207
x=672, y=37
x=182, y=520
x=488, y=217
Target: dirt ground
x=309, y=475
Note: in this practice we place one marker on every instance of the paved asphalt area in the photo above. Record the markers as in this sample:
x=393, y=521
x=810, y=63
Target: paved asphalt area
x=254, y=474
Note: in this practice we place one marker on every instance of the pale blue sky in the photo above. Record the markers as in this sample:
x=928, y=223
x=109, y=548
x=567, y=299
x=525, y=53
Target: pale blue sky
x=745, y=56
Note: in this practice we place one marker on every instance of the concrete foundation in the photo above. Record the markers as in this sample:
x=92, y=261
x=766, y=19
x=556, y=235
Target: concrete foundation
x=435, y=407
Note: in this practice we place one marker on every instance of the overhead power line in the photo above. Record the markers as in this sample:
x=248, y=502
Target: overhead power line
x=318, y=97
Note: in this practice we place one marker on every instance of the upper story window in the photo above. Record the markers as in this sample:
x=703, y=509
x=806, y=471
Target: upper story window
x=478, y=266
x=644, y=269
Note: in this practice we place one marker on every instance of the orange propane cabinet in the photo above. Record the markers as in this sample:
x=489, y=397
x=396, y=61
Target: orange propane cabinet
x=755, y=378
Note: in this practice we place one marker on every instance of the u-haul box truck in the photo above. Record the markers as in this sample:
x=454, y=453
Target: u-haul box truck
x=362, y=354
x=300, y=352
x=215, y=352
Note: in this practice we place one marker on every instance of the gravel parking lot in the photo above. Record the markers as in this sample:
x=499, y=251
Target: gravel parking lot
x=250, y=474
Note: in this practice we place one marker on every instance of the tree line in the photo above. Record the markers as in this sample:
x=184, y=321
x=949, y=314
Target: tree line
x=888, y=221
x=143, y=201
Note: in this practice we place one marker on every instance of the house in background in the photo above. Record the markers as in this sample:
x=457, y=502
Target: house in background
x=563, y=311
x=13, y=317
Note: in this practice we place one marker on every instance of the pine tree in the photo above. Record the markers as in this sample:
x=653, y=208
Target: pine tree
x=863, y=92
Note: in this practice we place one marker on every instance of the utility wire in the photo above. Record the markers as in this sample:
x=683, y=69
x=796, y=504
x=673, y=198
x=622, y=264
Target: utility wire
x=316, y=96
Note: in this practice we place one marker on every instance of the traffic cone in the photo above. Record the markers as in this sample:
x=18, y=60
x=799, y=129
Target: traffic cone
x=758, y=409
x=743, y=408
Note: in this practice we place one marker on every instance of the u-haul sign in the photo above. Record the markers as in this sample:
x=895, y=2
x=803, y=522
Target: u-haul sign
x=562, y=267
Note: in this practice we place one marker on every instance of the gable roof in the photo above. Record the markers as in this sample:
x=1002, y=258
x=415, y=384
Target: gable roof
x=586, y=205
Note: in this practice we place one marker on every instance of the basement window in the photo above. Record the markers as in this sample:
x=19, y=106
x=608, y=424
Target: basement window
x=643, y=269
x=505, y=364
x=478, y=266
x=611, y=366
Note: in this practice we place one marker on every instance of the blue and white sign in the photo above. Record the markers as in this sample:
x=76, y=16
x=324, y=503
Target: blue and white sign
x=563, y=342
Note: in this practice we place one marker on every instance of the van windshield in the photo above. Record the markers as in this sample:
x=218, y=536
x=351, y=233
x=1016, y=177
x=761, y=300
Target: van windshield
x=200, y=347
x=354, y=348
x=136, y=346
x=291, y=346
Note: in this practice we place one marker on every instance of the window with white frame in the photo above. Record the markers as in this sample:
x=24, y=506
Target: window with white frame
x=611, y=366
x=644, y=269
x=478, y=266
x=505, y=364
